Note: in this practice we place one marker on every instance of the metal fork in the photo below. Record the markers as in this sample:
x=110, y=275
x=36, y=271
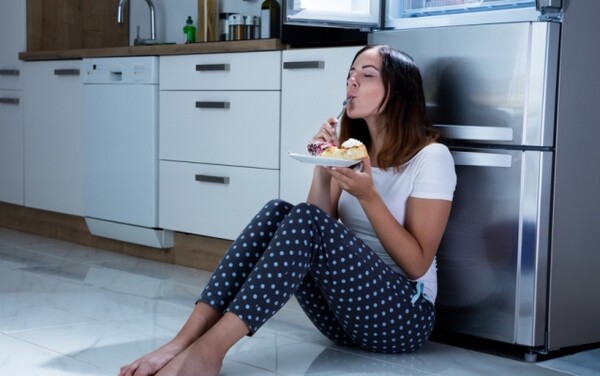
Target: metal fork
x=344, y=104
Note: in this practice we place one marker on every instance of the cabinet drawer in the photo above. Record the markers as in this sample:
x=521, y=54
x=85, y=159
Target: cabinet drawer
x=230, y=71
x=220, y=127
x=210, y=200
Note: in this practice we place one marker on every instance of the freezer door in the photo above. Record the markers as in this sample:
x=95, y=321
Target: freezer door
x=487, y=84
x=406, y=14
x=361, y=14
x=492, y=262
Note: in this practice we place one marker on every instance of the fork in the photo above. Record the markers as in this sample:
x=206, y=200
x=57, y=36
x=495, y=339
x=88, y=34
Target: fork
x=344, y=104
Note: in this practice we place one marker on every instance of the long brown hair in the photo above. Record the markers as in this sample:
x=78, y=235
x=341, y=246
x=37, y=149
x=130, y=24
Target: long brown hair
x=406, y=125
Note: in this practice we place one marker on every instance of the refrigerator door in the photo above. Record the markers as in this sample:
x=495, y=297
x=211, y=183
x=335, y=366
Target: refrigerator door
x=487, y=84
x=361, y=14
x=369, y=15
x=492, y=262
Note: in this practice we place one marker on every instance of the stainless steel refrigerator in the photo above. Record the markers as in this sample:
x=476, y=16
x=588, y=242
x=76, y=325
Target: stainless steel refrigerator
x=514, y=87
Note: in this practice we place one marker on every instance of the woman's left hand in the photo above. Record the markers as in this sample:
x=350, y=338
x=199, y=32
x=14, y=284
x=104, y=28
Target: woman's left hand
x=357, y=182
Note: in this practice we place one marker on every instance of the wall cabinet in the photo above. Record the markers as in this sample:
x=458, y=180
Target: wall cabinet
x=313, y=84
x=73, y=24
x=53, y=141
x=218, y=140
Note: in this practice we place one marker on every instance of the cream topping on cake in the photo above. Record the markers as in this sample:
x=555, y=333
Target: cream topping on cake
x=350, y=143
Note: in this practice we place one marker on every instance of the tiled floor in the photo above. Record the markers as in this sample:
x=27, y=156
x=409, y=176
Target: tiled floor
x=71, y=310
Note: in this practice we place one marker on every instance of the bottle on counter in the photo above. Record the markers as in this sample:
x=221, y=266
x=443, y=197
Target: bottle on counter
x=189, y=30
x=270, y=15
x=236, y=26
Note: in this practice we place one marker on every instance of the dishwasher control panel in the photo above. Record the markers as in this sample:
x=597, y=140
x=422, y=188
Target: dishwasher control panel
x=121, y=70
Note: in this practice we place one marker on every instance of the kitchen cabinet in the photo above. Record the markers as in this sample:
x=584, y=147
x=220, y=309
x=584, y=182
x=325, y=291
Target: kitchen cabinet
x=11, y=147
x=313, y=84
x=218, y=140
x=12, y=41
x=53, y=141
x=74, y=24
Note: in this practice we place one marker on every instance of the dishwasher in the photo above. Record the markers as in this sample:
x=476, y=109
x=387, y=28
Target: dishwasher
x=120, y=120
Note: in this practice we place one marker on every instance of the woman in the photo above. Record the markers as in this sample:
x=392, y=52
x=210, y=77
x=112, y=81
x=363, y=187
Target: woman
x=367, y=280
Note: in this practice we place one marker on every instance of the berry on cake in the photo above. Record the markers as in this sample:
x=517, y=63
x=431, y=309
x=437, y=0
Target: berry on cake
x=350, y=149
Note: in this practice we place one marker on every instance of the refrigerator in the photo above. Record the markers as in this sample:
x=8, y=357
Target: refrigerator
x=513, y=86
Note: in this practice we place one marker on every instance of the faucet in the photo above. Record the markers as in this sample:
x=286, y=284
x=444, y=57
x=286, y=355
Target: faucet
x=152, y=18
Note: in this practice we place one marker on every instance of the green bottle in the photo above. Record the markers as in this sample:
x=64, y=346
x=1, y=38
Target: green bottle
x=189, y=30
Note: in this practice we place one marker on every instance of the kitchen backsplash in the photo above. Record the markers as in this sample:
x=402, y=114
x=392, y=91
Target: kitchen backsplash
x=171, y=16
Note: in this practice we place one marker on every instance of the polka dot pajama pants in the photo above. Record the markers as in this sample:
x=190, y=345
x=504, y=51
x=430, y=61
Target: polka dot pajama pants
x=349, y=294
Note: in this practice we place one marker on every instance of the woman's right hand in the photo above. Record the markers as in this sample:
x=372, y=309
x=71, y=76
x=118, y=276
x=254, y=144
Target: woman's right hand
x=327, y=132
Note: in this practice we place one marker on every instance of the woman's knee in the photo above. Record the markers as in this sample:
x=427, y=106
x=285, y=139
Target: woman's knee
x=308, y=210
x=276, y=207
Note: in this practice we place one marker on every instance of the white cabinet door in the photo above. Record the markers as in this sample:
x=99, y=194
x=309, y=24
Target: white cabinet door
x=225, y=71
x=11, y=147
x=53, y=141
x=12, y=41
x=236, y=128
x=212, y=200
x=313, y=85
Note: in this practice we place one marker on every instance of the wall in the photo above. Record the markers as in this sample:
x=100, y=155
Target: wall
x=171, y=16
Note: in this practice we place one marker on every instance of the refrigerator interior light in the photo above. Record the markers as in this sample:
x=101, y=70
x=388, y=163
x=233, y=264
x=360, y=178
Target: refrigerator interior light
x=350, y=6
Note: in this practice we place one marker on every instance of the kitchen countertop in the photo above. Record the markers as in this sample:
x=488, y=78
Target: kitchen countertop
x=158, y=50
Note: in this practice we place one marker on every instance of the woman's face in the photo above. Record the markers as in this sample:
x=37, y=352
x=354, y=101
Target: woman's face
x=365, y=86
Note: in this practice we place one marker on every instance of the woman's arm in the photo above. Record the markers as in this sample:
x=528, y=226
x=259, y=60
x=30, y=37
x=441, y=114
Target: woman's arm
x=324, y=191
x=413, y=246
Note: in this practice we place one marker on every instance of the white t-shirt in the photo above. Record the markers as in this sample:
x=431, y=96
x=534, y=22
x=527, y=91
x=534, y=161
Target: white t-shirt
x=429, y=174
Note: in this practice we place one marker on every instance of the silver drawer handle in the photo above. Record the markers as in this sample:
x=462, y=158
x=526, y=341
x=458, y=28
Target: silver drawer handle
x=9, y=72
x=212, y=179
x=9, y=100
x=304, y=64
x=221, y=105
x=66, y=72
x=213, y=67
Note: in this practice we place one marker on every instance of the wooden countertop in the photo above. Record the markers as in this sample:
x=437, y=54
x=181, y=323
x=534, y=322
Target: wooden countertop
x=158, y=50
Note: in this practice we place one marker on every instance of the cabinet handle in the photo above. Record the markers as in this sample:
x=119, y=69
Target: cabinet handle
x=221, y=105
x=212, y=179
x=212, y=67
x=66, y=72
x=317, y=64
x=9, y=72
x=9, y=100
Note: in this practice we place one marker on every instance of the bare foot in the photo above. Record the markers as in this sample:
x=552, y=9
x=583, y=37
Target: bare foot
x=151, y=363
x=197, y=360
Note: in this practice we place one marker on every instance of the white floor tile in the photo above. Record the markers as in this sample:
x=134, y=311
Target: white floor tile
x=22, y=358
x=71, y=310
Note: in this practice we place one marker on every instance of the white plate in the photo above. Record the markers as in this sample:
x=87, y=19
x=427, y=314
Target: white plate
x=331, y=162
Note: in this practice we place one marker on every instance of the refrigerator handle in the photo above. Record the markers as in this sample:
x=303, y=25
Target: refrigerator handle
x=477, y=159
x=475, y=133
